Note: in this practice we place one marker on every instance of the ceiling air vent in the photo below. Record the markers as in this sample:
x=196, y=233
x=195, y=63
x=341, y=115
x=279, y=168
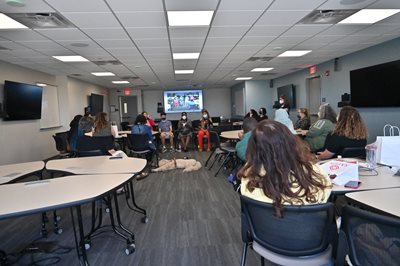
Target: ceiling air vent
x=107, y=62
x=327, y=16
x=260, y=59
x=41, y=20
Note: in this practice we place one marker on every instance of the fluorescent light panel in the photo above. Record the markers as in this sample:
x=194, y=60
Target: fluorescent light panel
x=71, y=58
x=262, y=69
x=188, y=71
x=120, y=81
x=178, y=56
x=8, y=23
x=103, y=74
x=243, y=78
x=41, y=84
x=294, y=53
x=189, y=18
x=369, y=16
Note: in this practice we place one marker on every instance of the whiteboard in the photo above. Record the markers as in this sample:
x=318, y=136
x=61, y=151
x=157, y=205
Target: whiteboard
x=50, y=109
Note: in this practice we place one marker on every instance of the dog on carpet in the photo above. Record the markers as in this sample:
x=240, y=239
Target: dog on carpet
x=188, y=165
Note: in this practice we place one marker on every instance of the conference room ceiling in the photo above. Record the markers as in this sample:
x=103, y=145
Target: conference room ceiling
x=132, y=39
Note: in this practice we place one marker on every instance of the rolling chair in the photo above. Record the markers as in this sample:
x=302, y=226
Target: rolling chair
x=62, y=146
x=94, y=146
x=304, y=236
x=227, y=153
x=368, y=238
x=138, y=144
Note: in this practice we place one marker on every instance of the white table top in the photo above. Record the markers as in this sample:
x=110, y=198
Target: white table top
x=232, y=134
x=385, y=179
x=10, y=172
x=97, y=165
x=386, y=200
x=37, y=196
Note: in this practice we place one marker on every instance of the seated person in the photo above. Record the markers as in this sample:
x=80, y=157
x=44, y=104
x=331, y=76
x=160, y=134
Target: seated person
x=350, y=131
x=316, y=135
x=165, y=129
x=262, y=114
x=282, y=116
x=73, y=132
x=101, y=126
x=87, y=142
x=249, y=124
x=140, y=127
x=185, y=131
x=252, y=113
x=279, y=169
x=205, y=125
x=303, y=122
x=149, y=120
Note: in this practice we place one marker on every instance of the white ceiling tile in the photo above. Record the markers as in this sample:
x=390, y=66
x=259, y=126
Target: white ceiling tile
x=150, y=32
x=155, y=50
x=152, y=42
x=217, y=49
x=78, y=6
x=256, y=40
x=124, y=51
x=22, y=35
x=354, y=39
x=191, y=32
x=267, y=30
x=127, y=43
x=142, y=19
x=184, y=42
x=56, y=51
x=235, y=18
x=222, y=41
x=281, y=17
x=106, y=34
x=342, y=29
x=31, y=6
x=69, y=34
x=93, y=20
x=41, y=45
x=395, y=19
x=305, y=30
x=135, y=5
x=286, y=5
x=325, y=38
x=244, y=5
x=228, y=31
x=190, y=5
x=385, y=4
x=378, y=29
x=335, y=4
x=288, y=40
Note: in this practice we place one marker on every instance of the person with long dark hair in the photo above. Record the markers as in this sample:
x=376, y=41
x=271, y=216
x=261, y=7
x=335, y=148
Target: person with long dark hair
x=205, y=125
x=101, y=126
x=185, y=131
x=252, y=113
x=262, y=114
x=280, y=169
x=73, y=132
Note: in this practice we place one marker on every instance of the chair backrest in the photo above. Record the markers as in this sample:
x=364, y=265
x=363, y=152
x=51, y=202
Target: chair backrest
x=222, y=128
x=372, y=239
x=125, y=126
x=90, y=146
x=215, y=141
x=138, y=142
x=61, y=140
x=353, y=152
x=304, y=230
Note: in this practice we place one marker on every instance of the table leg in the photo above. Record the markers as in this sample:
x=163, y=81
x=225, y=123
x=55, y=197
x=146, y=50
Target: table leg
x=135, y=207
x=80, y=244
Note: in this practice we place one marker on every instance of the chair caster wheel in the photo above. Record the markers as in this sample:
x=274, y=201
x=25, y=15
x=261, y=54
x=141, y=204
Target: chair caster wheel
x=145, y=220
x=88, y=245
x=58, y=218
x=107, y=210
x=130, y=249
x=58, y=231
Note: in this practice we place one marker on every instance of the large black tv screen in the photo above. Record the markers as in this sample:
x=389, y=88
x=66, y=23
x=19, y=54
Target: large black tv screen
x=96, y=103
x=376, y=86
x=22, y=101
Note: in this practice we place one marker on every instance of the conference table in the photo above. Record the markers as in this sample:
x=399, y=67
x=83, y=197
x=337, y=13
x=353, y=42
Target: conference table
x=383, y=200
x=231, y=134
x=51, y=194
x=14, y=172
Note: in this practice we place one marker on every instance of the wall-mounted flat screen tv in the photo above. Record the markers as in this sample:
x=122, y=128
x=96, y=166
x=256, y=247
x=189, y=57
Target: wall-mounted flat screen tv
x=376, y=86
x=183, y=101
x=22, y=101
x=96, y=104
x=289, y=92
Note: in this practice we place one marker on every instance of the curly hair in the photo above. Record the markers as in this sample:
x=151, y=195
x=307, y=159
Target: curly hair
x=350, y=124
x=278, y=161
x=327, y=112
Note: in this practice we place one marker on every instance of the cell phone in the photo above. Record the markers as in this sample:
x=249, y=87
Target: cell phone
x=353, y=184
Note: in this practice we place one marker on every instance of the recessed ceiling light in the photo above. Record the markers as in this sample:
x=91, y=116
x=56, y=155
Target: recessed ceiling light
x=9, y=23
x=189, y=18
x=71, y=58
x=103, y=74
x=189, y=71
x=120, y=81
x=178, y=56
x=262, y=69
x=41, y=84
x=294, y=53
x=369, y=16
x=243, y=78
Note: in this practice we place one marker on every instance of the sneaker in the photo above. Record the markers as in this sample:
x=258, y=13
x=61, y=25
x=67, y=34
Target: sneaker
x=172, y=149
x=142, y=176
x=164, y=149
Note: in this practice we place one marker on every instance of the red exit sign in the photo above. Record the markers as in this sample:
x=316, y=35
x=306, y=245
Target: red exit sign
x=313, y=70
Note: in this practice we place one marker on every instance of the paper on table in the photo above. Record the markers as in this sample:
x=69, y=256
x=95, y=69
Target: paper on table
x=119, y=154
x=344, y=171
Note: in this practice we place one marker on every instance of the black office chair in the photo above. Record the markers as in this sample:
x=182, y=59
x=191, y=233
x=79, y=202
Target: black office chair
x=138, y=144
x=227, y=153
x=368, y=238
x=304, y=235
x=125, y=126
x=94, y=146
x=62, y=146
x=353, y=152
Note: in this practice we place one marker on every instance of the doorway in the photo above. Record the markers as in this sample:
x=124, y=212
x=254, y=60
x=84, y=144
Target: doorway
x=128, y=107
x=313, y=97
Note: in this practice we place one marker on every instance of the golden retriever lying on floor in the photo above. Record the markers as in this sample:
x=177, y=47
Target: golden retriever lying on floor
x=188, y=165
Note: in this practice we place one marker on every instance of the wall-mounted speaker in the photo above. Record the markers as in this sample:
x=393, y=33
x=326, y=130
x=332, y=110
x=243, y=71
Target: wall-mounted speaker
x=271, y=83
x=336, y=66
x=160, y=108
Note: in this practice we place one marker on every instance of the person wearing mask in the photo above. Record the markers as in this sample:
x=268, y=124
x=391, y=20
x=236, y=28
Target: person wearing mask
x=282, y=116
x=149, y=120
x=282, y=104
x=249, y=124
x=185, y=131
x=303, y=122
x=350, y=131
x=287, y=176
x=316, y=135
x=262, y=114
x=205, y=125
x=165, y=129
x=252, y=113
x=101, y=126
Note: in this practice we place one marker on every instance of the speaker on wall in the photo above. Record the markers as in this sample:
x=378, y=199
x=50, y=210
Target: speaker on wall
x=271, y=83
x=336, y=66
x=160, y=108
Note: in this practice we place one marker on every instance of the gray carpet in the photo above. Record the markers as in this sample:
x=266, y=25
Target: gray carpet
x=194, y=219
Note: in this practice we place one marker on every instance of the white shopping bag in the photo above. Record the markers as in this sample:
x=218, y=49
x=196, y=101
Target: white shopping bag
x=341, y=171
x=388, y=150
